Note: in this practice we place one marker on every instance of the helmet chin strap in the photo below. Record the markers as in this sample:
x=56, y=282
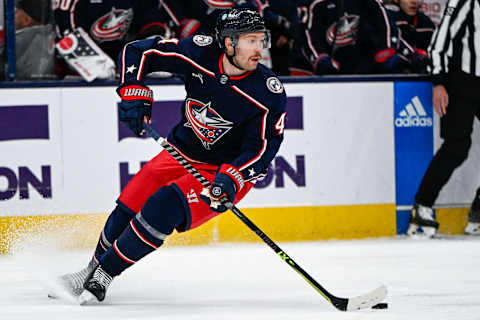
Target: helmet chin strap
x=230, y=59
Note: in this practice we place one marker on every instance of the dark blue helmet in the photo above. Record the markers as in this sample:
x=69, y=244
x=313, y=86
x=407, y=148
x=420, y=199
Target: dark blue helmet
x=235, y=22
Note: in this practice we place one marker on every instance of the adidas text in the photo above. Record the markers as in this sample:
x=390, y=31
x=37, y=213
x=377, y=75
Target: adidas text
x=413, y=122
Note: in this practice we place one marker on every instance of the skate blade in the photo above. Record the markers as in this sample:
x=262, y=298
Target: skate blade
x=475, y=234
x=86, y=297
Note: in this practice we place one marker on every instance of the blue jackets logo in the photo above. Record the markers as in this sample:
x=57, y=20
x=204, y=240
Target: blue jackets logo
x=205, y=122
x=413, y=115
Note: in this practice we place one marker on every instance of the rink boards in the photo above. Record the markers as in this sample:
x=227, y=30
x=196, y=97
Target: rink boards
x=349, y=166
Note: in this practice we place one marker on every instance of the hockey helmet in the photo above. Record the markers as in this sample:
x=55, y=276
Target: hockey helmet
x=235, y=22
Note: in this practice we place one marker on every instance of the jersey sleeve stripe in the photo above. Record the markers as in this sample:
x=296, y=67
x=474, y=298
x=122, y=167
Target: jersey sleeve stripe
x=122, y=79
x=220, y=4
x=262, y=134
x=170, y=13
x=387, y=22
x=424, y=30
x=170, y=54
x=310, y=44
x=72, y=15
x=310, y=9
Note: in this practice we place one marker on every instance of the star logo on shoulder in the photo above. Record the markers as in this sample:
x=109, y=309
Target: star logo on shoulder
x=131, y=69
x=251, y=172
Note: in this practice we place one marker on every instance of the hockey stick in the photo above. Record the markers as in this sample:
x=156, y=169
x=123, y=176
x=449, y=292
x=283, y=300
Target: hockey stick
x=344, y=304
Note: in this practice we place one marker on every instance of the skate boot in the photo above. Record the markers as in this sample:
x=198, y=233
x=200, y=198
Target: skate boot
x=422, y=217
x=72, y=283
x=95, y=286
x=473, y=229
x=473, y=226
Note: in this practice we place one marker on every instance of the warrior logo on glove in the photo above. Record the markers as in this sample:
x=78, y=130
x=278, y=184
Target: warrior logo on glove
x=207, y=124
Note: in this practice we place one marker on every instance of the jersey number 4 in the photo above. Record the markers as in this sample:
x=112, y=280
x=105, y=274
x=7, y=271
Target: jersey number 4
x=280, y=125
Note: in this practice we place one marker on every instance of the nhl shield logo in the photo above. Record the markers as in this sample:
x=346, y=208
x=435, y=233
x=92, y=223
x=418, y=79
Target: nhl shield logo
x=202, y=40
x=205, y=122
x=274, y=85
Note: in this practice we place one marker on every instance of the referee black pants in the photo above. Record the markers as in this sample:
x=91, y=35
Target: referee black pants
x=455, y=129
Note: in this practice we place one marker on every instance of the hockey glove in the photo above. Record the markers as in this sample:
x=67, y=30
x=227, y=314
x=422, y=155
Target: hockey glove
x=224, y=188
x=387, y=60
x=325, y=65
x=420, y=61
x=136, y=107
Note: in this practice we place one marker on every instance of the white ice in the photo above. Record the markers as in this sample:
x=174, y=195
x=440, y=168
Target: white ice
x=426, y=279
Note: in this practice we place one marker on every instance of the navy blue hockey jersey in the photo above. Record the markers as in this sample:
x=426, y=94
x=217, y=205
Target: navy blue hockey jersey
x=237, y=120
x=348, y=31
x=416, y=31
x=110, y=23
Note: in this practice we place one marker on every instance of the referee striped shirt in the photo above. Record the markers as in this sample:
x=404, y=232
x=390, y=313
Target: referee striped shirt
x=456, y=41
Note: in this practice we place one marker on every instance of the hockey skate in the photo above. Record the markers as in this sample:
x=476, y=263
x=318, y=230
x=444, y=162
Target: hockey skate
x=473, y=226
x=422, y=218
x=71, y=284
x=95, y=286
x=473, y=229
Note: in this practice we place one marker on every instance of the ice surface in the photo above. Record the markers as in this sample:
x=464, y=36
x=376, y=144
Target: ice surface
x=426, y=279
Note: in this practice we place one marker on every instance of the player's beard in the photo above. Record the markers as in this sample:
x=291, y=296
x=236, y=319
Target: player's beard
x=252, y=62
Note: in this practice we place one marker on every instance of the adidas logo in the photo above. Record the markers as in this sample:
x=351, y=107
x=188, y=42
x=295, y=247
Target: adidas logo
x=413, y=115
x=192, y=196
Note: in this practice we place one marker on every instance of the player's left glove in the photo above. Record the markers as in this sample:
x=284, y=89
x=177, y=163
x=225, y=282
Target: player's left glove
x=224, y=188
x=387, y=59
x=136, y=107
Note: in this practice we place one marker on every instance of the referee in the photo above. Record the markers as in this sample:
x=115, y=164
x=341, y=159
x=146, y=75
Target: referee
x=455, y=71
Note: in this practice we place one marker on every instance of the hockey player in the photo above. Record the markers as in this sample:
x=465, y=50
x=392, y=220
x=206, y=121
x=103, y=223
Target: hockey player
x=231, y=128
x=416, y=30
x=344, y=36
x=111, y=23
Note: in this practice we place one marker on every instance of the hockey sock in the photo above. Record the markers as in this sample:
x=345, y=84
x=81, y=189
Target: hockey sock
x=162, y=212
x=116, y=223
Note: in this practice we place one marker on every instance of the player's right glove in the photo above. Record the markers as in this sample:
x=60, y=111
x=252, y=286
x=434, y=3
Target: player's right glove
x=136, y=106
x=225, y=186
x=420, y=61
